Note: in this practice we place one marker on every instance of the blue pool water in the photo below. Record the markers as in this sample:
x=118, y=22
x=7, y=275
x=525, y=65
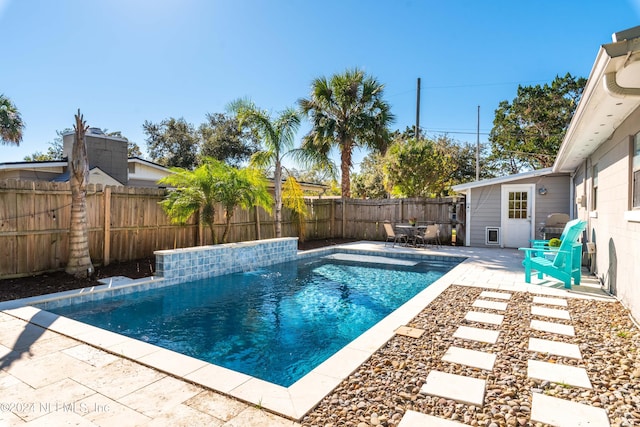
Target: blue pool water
x=276, y=323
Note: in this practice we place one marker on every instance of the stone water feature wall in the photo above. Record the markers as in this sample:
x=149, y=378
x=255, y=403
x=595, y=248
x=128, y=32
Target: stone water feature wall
x=201, y=262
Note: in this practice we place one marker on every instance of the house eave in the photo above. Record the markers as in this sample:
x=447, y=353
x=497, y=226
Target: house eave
x=461, y=188
x=601, y=111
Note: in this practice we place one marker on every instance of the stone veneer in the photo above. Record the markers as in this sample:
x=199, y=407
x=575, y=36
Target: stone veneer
x=201, y=262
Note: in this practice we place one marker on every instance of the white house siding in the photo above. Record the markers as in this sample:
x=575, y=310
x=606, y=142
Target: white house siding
x=485, y=209
x=145, y=176
x=617, y=239
x=484, y=212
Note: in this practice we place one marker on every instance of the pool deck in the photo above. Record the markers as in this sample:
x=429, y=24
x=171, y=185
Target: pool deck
x=57, y=371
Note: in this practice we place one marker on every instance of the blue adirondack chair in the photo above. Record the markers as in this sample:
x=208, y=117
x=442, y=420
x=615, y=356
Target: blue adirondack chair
x=565, y=262
x=544, y=244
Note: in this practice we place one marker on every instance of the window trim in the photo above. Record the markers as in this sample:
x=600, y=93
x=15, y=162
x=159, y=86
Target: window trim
x=634, y=167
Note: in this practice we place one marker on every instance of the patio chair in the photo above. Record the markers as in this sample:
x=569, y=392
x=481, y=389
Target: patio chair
x=393, y=236
x=564, y=263
x=431, y=234
x=544, y=244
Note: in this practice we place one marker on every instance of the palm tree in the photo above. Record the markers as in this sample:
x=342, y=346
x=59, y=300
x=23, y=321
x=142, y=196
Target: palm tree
x=79, y=263
x=213, y=182
x=195, y=191
x=278, y=137
x=11, y=124
x=242, y=187
x=346, y=111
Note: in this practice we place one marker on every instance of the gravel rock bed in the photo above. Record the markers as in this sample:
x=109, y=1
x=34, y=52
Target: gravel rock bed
x=388, y=384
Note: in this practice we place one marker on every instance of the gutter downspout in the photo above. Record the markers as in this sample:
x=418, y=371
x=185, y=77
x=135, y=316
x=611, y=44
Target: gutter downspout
x=612, y=87
x=572, y=195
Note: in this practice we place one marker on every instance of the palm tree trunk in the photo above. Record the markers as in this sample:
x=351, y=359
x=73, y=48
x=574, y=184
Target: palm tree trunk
x=227, y=226
x=79, y=263
x=345, y=168
x=277, y=184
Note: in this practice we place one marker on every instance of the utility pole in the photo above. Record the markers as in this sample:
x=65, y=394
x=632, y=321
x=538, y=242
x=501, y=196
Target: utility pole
x=478, y=148
x=417, y=130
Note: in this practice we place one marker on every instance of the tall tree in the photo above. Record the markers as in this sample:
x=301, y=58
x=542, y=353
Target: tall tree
x=11, y=124
x=172, y=142
x=224, y=140
x=346, y=111
x=79, y=263
x=428, y=167
x=370, y=182
x=277, y=134
x=528, y=131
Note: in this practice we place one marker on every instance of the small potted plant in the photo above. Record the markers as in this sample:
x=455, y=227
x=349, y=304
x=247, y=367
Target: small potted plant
x=412, y=220
x=554, y=243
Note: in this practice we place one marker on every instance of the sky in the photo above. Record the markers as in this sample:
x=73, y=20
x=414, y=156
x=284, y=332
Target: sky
x=122, y=62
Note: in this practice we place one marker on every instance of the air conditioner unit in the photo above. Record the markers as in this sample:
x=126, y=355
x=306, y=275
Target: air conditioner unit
x=492, y=235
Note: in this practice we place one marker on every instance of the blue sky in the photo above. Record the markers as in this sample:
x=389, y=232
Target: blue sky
x=126, y=61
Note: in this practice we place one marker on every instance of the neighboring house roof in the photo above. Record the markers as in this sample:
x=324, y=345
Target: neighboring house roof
x=148, y=163
x=96, y=176
x=33, y=165
x=502, y=180
x=611, y=94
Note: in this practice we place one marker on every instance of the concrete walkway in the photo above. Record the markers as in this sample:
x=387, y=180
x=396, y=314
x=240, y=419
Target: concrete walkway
x=47, y=378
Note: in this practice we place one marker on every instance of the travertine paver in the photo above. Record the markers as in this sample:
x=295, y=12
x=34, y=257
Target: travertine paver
x=536, y=310
x=561, y=374
x=560, y=412
x=473, y=358
x=481, y=317
x=418, y=419
x=497, y=295
x=554, y=347
x=408, y=331
x=492, y=305
x=554, y=328
x=456, y=387
x=477, y=334
x=550, y=301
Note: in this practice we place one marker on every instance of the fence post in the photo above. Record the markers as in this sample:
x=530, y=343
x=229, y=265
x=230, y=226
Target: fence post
x=106, y=249
x=332, y=223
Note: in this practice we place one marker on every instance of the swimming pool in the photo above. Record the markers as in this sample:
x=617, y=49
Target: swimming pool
x=276, y=323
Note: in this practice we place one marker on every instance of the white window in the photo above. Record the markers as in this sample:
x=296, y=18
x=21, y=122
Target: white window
x=635, y=175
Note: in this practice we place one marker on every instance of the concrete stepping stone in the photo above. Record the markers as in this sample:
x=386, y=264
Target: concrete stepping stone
x=477, y=334
x=554, y=347
x=550, y=301
x=490, y=318
x=455, y=387
x=418, y=419
x=473, y=358
x=497, y=295
x=555, y=328
x=559, y=412
x=560, y=374
x=550, y=312
x=492, y=305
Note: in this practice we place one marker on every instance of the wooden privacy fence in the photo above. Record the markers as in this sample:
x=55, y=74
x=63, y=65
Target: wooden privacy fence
x=127, y=223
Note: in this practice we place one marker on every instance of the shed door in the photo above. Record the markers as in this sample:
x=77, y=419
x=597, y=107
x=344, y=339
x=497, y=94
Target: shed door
x=517, y=215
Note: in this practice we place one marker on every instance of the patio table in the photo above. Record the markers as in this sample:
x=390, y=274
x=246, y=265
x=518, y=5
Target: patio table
x=410, y=231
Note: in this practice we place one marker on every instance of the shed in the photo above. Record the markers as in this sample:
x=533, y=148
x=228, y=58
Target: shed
x=509, y=211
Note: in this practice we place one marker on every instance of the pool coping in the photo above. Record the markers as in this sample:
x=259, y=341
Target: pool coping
x=294, y=401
